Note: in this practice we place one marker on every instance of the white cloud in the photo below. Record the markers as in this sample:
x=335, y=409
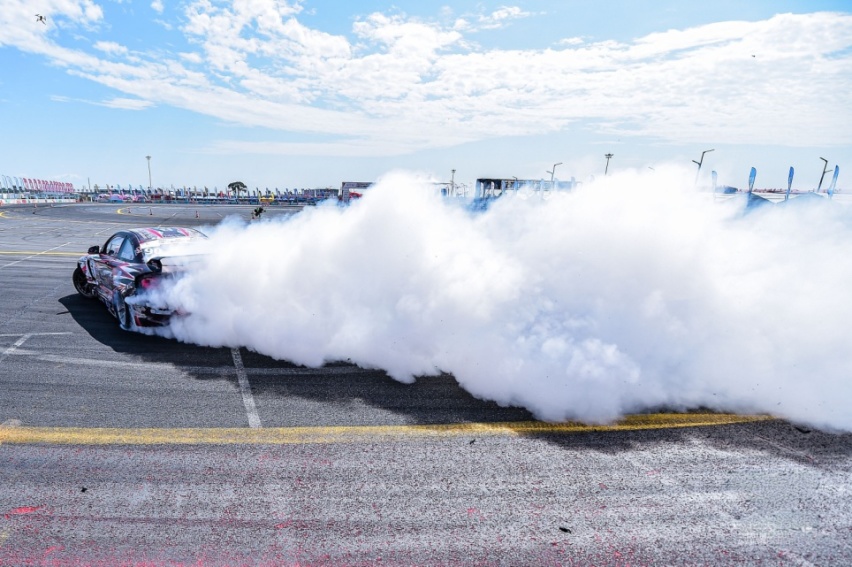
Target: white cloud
x=121, y=103
x=110, y=47
x=194, y=58
x=501, y=17
x=401, y=84
x=157, y=6
x=127, y=103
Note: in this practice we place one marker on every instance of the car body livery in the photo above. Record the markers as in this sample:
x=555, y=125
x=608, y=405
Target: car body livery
x=127, y=266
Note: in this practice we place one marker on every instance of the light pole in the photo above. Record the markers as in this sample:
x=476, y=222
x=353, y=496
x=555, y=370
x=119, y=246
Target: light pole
x=552, y=172
x=699, y=164
x=824, y=171
x=608, y=157
x=149, y=173
x=453, y=183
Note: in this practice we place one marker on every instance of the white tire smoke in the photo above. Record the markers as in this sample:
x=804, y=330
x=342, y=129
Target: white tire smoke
x=631, y=294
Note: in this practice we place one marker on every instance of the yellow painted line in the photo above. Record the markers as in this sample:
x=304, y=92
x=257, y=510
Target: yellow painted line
x=349, y=434
x=25, y=253
x=39, y=218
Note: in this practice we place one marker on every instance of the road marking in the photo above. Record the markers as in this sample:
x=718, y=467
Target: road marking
x=33, y=334
x=5, y=215
x=165, y=366
x=788, y=450
x=14, y=347
x=350, y=434
x=22, y=340
x=33, y=256
x=245, y=390
x=34, y=253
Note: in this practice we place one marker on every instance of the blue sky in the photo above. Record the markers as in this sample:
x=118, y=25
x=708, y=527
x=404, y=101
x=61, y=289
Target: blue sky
x=309, y=94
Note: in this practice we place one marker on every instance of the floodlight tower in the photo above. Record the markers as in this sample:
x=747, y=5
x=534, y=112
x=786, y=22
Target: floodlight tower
x=608, y=157
x=824, y=171
x=149, y=173
x=699, y=164
x=453, y=184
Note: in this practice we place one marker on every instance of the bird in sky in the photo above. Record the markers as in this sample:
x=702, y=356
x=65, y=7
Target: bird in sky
x=40, y=18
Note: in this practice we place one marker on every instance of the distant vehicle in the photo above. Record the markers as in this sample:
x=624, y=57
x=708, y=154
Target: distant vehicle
x=129, y=265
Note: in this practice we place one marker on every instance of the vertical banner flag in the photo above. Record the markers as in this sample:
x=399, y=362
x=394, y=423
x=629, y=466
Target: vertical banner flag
x=715, y=177
x=833, y=181
x=751, y=177
x=789, y=183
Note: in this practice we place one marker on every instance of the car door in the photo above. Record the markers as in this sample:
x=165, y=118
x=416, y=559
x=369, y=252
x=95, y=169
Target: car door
x=105, y=264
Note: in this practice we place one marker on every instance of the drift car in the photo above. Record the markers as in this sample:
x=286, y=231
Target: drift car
x=127, y=266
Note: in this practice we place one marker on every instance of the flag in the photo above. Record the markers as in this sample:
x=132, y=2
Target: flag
x=833, y=181
x=789, y=183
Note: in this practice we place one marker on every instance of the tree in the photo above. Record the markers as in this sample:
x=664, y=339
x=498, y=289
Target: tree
x=237, y=187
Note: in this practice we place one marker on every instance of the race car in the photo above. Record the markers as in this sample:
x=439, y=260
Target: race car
x=131, y=263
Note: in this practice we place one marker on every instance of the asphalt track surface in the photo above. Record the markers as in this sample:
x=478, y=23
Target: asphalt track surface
x=123, y=449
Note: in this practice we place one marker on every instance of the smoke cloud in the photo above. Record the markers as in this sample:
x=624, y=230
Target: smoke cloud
x=630, y=294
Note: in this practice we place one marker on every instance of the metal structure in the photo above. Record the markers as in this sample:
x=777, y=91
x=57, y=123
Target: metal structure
x=824, y=171
x=149, y=173
x=553, y=171
x=700, y=163
x=608, y=157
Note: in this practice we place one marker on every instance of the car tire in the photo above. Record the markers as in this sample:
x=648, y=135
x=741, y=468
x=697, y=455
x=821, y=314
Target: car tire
x=82, y=285
x=123, y=313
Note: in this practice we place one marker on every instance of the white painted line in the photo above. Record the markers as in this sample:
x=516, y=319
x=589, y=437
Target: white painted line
x=31, y=334
x=14, y=347
x=788, y=450
x=245, y=389
x=148, y=366
x=169, y=367
x=109, y=228
x=33, y=256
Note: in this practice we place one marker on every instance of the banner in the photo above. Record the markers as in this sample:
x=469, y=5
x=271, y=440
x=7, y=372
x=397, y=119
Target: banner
x=833, y=181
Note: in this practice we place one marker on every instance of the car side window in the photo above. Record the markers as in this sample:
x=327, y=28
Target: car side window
x=113, y=246
x=127, y=251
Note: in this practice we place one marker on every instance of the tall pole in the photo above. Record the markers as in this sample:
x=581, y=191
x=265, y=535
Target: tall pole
x=824, y=171
x=608, y=157
x=149, y=173
x=552, y=172
x=453, y=184
x=699, y=164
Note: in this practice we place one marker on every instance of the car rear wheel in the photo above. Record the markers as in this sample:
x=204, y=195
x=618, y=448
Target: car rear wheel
x=123, y=313
x=82, y=285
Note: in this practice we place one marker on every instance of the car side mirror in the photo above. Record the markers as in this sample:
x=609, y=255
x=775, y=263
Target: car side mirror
x=94, y=250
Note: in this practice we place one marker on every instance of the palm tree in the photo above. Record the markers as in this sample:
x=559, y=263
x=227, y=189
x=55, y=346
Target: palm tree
x=237, y=187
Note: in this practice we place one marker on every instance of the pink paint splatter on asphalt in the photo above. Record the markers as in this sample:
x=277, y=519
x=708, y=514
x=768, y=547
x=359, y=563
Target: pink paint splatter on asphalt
x=21, y=510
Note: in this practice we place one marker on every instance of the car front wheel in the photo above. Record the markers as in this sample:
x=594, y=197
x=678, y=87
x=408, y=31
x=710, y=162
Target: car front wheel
x=82, y=285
